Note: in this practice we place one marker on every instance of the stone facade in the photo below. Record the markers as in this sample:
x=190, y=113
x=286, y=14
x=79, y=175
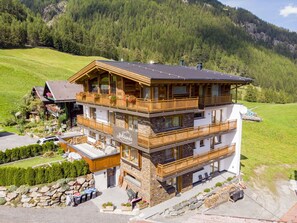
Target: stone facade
x=50, y=195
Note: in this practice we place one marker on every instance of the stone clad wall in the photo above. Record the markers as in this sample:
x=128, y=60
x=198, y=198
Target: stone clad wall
x=50, y=195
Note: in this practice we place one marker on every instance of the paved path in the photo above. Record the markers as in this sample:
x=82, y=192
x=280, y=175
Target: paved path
x=10, y=140
x=86, y=212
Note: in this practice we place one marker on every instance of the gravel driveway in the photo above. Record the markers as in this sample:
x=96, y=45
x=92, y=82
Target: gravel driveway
x=10, y=140
x=86, y=212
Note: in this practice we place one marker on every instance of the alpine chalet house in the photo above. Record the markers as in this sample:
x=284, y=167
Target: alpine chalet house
x=173, y=126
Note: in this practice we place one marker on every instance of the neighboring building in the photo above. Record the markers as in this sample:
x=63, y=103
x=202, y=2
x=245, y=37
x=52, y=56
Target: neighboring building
x=59, y=97
x=173, y=125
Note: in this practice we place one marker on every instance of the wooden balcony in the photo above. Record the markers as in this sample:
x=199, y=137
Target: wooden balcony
x=140, y=105
x=92, y=123
x=176, y=136
x=192, y=163
x=214, y=100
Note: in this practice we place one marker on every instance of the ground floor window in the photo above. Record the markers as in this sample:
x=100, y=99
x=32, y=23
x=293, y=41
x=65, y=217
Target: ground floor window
x=131, y=154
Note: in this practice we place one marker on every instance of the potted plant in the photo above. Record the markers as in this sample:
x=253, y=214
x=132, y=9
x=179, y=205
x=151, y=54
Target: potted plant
x=142, y=204
x=132, y=99
x=126, y=206
x=108, y=206
x=113, y=99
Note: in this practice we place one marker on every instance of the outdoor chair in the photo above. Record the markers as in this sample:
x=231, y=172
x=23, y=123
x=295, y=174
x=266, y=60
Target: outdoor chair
x=200, y=178
x=207, y=177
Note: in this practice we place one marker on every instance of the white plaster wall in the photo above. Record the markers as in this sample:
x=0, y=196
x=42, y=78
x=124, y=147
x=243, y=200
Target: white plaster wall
x=118, y=172
x=202, y=172
x=232, y=164
x=101, y=180
x=101, y=115
x=205, y=148
x=86, y=111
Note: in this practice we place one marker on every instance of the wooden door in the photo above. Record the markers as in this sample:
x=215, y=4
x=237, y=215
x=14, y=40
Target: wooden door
x=179, y=184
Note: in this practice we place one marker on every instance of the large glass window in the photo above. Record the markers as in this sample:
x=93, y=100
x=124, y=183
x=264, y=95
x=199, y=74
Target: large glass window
x=113, y=84
x=172, y=122
x=146, y=93
x=104, y=84
x=169, y=154
x=93, y=113
x=130, y=154
x=94, y=85
x=132, y=123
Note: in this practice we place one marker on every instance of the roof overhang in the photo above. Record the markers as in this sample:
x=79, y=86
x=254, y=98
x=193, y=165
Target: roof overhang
x=111, y=69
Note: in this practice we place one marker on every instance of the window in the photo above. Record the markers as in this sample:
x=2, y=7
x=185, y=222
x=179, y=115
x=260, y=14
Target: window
x=130, y=154
x=104, y=84
x=92, y=135
x=169, y=154
x=93, y=113
x=199, y=115
x=132, y=123
x=179, y=90
x=172, y=122
x=93, y=85
x=146, y=93
x=113, y=84
x=217, y=139
x=202, y=143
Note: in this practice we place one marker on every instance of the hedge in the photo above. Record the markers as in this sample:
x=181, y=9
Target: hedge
x=40, y=175
x=11, y=155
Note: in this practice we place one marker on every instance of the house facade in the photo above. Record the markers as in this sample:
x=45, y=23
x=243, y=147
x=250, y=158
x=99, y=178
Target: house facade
x=173, y=126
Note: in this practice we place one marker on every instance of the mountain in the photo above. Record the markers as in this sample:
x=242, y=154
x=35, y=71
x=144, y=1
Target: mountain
x=223, y=38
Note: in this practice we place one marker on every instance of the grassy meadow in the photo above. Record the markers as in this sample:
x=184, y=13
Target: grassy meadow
x=21, y=69
x=269, y=148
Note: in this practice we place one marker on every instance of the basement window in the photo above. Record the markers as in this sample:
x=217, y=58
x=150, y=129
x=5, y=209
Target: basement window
x=199, y=115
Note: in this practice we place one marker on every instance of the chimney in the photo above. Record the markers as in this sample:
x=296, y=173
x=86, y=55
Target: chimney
x=182, y=62
x=199, y=66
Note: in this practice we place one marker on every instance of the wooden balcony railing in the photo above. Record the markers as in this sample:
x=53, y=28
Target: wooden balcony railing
x=166, y=138
x=193, y=162
x=140, y=105
x=92, y=123
x=215, y=100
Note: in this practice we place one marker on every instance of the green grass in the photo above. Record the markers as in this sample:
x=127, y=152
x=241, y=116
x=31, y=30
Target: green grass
x=269, y=147
x=34, y=161
x=21, y=69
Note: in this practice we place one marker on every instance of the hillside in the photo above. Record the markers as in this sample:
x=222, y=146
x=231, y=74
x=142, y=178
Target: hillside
x=269, y=147
x=21, y=69
x=223, y=38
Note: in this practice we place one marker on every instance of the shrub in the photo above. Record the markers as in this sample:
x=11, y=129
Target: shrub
x=107, y=204
x=2, y=201
x=2, y=157
x=128, y=204
x=206, y=190
x=60, y=151
x=40, y=175
x=218, y=184
x=48, y=154
x=229, y=179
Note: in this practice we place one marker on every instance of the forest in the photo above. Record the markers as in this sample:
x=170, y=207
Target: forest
x=164, y=31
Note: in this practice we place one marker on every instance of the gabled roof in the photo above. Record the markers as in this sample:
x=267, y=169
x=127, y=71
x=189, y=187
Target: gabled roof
x=156, y=73
x=62, y=91
x=39, y=92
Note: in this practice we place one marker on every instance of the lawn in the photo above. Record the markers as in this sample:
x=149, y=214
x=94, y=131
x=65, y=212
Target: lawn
x=33, y=161
x=269, y=147
x=21, y=69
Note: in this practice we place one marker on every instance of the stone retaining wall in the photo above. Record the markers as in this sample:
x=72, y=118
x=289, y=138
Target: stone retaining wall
x=50, y=195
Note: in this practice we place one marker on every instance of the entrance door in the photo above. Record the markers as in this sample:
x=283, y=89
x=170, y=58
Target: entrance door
x=111, y=178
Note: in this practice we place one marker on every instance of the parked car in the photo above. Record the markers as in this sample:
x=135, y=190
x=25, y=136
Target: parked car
x=54, y=139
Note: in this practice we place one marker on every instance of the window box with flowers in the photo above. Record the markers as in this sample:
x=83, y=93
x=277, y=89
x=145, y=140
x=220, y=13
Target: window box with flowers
x=108, y=206
x=131, y=100
x=142, y=204
x=126, y=206
x=112, y=99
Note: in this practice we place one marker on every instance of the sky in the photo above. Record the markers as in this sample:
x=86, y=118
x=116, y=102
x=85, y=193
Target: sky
x=282, y=13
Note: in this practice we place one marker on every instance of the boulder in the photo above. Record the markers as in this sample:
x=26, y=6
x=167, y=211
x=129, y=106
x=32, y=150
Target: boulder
x=92, y=183
x=3, y=189
x=56, y=186
x=81, y=180
x=2, y=193
x=26, y=199
x=192, y=207
x=23, y=189
x=11, y=196
x=89, y=177
x=50, y=193
x=35, y=194
x=33, y=189
x=193, y=200
x=177, y=207
x=71, y=183
x=44, y=189
x=85, y=185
